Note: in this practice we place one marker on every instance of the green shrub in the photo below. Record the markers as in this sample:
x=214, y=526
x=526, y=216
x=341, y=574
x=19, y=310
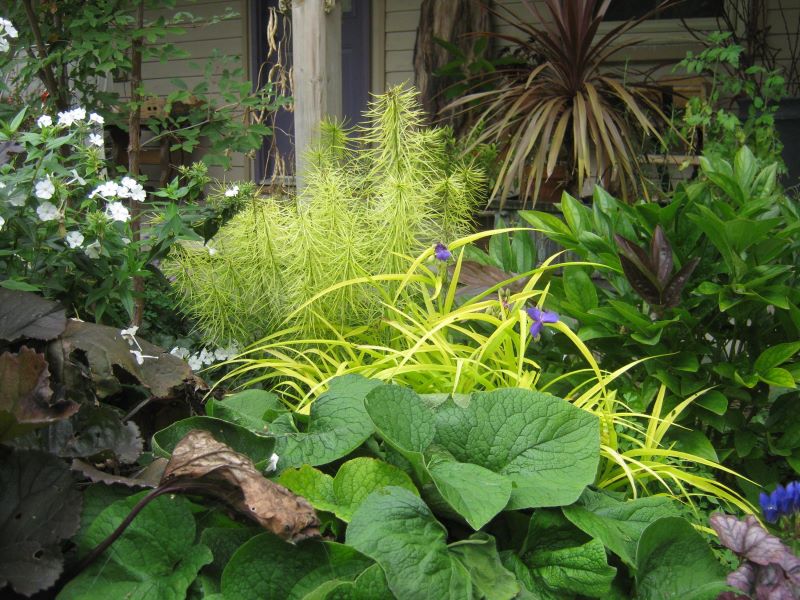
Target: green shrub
x=369, y=201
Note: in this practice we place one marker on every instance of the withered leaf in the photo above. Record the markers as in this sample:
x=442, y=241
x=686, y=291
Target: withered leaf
x=26, y=399
x=475, y=278
x=199, y=458
x=107, y=352
x=26, y=315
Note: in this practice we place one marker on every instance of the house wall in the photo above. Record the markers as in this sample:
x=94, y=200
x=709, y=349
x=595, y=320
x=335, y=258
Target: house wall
x=202, y=41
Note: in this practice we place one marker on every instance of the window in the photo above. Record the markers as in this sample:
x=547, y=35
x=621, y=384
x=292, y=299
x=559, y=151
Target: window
x=621, y=10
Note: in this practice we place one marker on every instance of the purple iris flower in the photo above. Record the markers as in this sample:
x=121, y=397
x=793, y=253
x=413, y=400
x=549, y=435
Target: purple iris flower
x=538, y=318
x=442, y=252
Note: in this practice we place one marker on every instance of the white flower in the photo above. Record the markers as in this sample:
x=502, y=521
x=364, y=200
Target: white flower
x=77, y=178
x=272, y=465
x=71, y=116
x=47, y=211
x=4, y=44
x=180, y=352
x=2, y=222
x=226, y=353
x=211, y=251
x=125, y=241
x=74, y=239
x=44, y=189
x=79, y=114
x=137, y=354
x=16, y=200
x=2, y=185
x=234, y=191
x=195, y=364
x=109, y=189
x=116, y=211
x=206, y=357
x=93, y=250
x=44, y=121
x=96, y=140
x=130, y=188
x=95, y=118
x=129, y=182
x=130, y=332
x=138, y=194
x=8, y=27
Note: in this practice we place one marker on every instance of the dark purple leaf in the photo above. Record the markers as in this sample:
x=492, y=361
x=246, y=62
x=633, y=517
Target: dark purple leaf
x=772, y=584
x=743, y=578
x=672, y=294
x=639, y=281
x=26, y=315
x=661, y=257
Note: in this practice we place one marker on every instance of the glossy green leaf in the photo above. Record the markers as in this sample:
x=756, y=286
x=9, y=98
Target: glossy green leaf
x=490, y=579
x=248, y=409
x=474, y=492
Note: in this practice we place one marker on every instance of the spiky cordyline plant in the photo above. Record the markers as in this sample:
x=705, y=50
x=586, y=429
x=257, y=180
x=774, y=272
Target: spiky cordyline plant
x=562, y=103
x=371, y=198
x=433, y=345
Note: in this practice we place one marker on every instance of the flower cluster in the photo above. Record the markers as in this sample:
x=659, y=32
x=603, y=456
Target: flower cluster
x=127, y=188
x=782, y=502
x=7, y=30
x=205, y=357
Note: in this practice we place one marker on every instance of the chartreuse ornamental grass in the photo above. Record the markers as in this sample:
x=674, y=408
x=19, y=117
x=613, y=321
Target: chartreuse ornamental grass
x=441, y=348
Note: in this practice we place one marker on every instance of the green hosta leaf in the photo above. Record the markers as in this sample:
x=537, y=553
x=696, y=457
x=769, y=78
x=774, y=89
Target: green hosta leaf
x=358, y=478
x=258, y=448
x=619, y=525
x=155, y=559
x=312, y=484
x=267, y=567
x=775, y=356
x=252, y=409
x=547, y=447
x=674, y=561
x=338, y=424
x=490, y=578
x=404, y=421
x=476, y=493
x=397, y=529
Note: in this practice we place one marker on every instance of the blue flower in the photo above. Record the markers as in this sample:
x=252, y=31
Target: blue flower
x=539, y=317
x=442, y=252
x=768, y=507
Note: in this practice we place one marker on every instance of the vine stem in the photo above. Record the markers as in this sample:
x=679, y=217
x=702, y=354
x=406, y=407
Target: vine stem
x=134, y=150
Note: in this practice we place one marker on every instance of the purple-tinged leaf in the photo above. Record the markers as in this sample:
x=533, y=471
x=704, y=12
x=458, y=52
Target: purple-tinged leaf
x=772, y=584
x=672, y=294
x=639, y=281
x=661, y=257
x=749, y=540
x=743, y=578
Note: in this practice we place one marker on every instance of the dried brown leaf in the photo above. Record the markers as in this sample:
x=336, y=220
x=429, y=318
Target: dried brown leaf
x=199, y=458
x=26, y=399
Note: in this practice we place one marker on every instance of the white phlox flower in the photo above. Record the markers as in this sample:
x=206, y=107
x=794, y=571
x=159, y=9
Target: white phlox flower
x=96, y=140
x=195, y=364
x=95, y=118
x=2, y=222
x=70, y=117
x=93, y=250
x=180, y=352
x=44, y=121
x=232, y=191
x=137, y=354
x=74, y=239
x=272, y=465
x=44, y=189
x=7, y=28
x=116, y=211
x=47, y=211
x=109, y=189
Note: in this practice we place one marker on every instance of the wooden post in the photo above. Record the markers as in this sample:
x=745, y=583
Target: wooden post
x=317, y=60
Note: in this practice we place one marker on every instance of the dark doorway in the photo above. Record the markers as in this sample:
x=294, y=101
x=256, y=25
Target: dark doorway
x=356, y=25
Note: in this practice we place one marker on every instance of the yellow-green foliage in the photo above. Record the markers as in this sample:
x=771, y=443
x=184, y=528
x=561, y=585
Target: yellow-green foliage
x=432, y=344
x=371, y=199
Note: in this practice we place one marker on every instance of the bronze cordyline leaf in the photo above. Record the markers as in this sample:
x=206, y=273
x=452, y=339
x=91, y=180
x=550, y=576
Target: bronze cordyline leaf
x=199, y=458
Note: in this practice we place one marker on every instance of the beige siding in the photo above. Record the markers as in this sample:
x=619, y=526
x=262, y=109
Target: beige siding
x=201, y=41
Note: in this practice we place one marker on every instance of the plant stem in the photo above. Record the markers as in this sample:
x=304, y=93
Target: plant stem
x=134, y=149
x=45, y=72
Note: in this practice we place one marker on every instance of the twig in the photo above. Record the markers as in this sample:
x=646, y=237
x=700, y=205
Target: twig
x=45, y=72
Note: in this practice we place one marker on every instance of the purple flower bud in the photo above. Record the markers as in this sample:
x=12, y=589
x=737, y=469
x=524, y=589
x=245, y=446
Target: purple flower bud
x=768, y=507
x=442, y=252
x=793, y=492
x=783, y=500
x=538, y=318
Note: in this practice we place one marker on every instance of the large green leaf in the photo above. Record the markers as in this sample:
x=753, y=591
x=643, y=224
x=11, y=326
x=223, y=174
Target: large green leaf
x=490, y=579
x=338, y=424
x=358, y=478
x=775, y=356
x=253, y=409
x=267, y=567
x=398, y=530
x=617, y=524
x=404, y=421
x=547, y=447
x=476, y=493
x=259, y=448
x=156, y=558
x=370, y=585
x=312, y=484
x=563, y=561
x=674, y=561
